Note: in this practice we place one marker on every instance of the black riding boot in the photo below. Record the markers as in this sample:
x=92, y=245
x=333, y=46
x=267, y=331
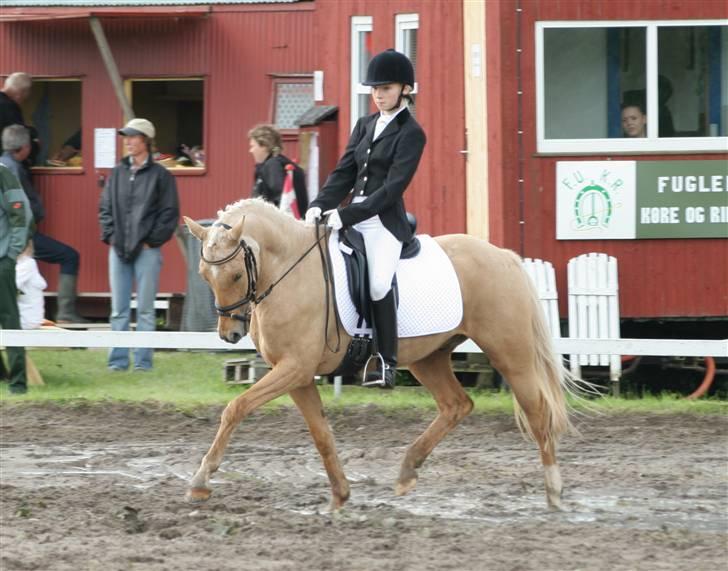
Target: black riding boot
x=385, y=327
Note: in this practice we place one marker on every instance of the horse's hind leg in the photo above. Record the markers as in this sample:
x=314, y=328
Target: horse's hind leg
x=524, y=384
x=308, y=401
x=435, y=373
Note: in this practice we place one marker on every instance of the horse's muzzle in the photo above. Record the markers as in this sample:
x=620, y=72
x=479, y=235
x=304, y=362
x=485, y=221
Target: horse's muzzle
x=232, y=330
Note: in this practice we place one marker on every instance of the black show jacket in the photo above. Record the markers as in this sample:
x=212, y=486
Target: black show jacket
x=379, y=170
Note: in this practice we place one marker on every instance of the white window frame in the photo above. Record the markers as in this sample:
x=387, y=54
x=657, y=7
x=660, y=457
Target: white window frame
x=404, y=22
x=651, y=143
x=359, y=24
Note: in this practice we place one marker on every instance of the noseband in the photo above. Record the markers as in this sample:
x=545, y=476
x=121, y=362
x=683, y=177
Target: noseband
x=251, y=269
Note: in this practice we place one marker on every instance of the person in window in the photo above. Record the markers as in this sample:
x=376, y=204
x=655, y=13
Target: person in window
x=376, y=168
x=138, y=213
x=634, y=120
x=16, y=143
x=271, y=170
x=71, y=147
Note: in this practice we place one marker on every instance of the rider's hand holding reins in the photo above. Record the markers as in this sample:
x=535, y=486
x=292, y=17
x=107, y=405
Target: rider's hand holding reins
x=313, y=214
x=334, y=220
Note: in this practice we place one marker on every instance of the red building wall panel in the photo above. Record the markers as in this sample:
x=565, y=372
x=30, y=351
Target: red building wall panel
x=657, y=278
x=235, y=48
x=437, y=193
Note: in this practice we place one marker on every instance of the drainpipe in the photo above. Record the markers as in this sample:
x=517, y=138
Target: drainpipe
x=519, y=113
x=110, y=65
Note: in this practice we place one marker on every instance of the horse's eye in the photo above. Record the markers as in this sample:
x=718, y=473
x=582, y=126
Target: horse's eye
x=236, y=277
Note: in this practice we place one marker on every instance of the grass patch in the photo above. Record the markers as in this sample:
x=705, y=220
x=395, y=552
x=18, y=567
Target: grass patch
x=187, y=380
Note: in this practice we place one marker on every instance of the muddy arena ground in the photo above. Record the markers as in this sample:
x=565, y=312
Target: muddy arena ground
x=89, y=487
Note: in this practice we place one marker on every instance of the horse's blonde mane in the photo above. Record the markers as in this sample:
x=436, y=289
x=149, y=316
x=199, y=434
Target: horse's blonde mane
x=257, y=207
x=232, y=212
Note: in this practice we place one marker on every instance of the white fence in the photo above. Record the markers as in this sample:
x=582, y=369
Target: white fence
x=211, y=341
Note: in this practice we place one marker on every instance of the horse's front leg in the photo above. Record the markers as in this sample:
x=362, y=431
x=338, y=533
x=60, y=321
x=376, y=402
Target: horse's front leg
x=308, y=401
x=280, y=380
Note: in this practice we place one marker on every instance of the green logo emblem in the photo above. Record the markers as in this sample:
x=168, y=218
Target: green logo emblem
x=592, y=207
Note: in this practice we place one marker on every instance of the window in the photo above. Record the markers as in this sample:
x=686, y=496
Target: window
x=361, y=54
x=293, y=96
x=53, y=109
x=176, y=107
x=405, y=41
x=600, y=84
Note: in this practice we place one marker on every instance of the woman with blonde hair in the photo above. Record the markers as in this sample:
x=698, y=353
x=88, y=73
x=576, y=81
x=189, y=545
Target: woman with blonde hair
x=271, y=168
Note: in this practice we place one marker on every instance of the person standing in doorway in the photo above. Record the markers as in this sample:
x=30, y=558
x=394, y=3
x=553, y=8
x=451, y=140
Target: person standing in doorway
x=138, y=213
x=377, y=166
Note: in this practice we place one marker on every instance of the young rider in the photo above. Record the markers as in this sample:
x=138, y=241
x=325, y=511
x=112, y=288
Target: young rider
x=377, y=166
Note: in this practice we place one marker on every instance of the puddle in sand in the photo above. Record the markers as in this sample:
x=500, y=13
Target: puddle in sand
x=143, y=465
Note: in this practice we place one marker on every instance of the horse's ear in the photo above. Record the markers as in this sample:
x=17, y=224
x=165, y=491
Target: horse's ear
x=198, y=231
x=237, y=231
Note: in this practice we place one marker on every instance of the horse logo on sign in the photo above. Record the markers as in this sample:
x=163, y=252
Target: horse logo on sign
x=592, y=207
x=595, y=200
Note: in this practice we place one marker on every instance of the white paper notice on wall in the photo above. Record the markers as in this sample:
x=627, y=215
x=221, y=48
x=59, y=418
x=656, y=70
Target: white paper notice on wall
x=476, y=60
x=318, y=85
x=104, y=148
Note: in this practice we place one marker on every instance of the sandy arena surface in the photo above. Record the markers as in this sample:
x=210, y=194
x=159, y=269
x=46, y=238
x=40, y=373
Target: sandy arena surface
x=102, y=487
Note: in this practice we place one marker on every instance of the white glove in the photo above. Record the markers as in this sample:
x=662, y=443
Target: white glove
x=334, y=220
x=313, y=214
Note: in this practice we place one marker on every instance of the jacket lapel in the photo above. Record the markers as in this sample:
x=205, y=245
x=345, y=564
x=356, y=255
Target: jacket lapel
x=394, y=125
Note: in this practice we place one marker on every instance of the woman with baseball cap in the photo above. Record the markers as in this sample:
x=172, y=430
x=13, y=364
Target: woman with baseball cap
x=138, y=213
x=377, y=166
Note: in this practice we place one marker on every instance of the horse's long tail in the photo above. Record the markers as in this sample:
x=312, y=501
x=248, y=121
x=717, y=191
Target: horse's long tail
x=554, y=380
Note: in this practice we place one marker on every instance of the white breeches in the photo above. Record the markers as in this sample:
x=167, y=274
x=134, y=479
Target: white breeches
x=383, y=251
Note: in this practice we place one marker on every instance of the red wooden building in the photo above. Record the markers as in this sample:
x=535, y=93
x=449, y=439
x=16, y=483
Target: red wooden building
x=510, y=92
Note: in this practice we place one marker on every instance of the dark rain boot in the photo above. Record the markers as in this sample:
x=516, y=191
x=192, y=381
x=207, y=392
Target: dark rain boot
x=384, y=312
x=67, y=300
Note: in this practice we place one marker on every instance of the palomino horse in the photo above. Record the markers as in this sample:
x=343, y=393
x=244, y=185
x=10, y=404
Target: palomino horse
x=254, y=246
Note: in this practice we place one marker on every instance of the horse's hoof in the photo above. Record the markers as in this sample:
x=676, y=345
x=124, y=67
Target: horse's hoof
x=405, y=487
x=197, y=495
x=555, y=504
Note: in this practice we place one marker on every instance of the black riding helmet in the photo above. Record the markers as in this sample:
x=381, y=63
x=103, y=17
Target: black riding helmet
x=390, y=66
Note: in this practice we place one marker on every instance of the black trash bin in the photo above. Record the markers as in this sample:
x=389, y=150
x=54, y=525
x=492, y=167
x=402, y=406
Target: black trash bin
x=198, y=311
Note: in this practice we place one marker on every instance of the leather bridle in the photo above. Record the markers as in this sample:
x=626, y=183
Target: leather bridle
x=251, y=269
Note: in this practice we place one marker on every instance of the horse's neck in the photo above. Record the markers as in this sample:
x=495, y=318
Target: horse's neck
x=281, y=241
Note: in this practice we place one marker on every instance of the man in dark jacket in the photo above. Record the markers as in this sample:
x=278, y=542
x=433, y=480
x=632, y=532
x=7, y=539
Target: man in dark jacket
x=15, y=90
x=138, y=213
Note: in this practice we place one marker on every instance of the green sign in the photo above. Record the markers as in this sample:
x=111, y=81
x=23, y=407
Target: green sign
x=681, y=199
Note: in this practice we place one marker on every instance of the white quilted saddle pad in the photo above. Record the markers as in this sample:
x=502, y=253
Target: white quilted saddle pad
x=430, y=300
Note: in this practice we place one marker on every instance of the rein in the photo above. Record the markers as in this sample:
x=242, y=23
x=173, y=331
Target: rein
x=251, y=269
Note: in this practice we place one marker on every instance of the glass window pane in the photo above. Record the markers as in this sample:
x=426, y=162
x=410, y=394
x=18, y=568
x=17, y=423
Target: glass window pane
x=292, y=101
x=588, y=73
x=176, y=109
x=365, y=54
x=409, y=46
x=363, y=105
x=693, y=81
x=53, y=109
